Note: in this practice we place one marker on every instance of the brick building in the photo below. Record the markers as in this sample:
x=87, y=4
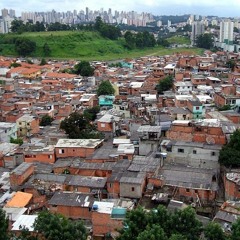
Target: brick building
x=76, y=147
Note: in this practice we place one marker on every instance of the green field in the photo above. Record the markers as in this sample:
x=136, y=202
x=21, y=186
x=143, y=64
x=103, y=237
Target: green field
x=179, y=40
x=82, y=45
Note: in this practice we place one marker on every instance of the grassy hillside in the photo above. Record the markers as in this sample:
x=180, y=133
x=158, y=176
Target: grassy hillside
x=179, y=40
x=81, y=45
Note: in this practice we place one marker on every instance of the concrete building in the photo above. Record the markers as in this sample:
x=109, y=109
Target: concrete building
x=7, y=131
x=193, y=154
x=226, y=35
x=27, y=125
x=149, y=137
x=197, y=29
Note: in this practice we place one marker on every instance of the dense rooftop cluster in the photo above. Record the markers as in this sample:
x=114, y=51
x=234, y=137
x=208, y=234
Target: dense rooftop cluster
x=157, y=147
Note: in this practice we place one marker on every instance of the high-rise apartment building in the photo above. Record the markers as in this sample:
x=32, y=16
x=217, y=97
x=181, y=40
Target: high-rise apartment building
x=197, y=29
x=4, y=12
x=226, y=32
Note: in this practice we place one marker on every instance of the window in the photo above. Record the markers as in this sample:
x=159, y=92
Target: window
x=125, y=157
x=197, y=108
x=49, y=156
x=102, y=124
x=61, y=151
x=187, y=190
x=194, y=151
x=180, y=150
x=133, y=189
x=213, y=154
x=110, y=185
x=196, y=191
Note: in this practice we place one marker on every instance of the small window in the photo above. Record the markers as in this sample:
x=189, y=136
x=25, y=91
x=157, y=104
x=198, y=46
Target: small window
x=102, y=124
x=213, y=154
x=110, y=185
x=61, y=151
x=133, y=189
x=49, y=156
x=197, y=108
x=187, y=190
x=194, y=151
x=196, y=191
x=180, y=150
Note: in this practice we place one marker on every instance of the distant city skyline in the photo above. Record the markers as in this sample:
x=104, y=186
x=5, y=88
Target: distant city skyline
x=221, y=8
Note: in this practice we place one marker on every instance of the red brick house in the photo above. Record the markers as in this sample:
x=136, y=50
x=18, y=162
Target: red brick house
x=76, y=147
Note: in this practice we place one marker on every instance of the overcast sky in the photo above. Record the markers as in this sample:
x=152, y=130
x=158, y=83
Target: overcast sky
x=221, y=8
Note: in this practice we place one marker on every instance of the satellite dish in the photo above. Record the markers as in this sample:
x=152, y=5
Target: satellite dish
x=210, y=140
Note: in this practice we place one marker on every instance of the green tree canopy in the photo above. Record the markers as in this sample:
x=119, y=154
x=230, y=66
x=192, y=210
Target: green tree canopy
x=46, y=50
x=236, y=230
x=161, y=224
x=163, y=42
x=205, y=41
x=43, y=62
x=154, y=232
x=105, y=88
x=106, y=30
x=230, y=153
x=24, y=46
x=214, y=231
x=91, y=113
x=57, y=227
x=46, y=120
x=165, y=84
x=84, y=69
x=78, y=127
x=16, y=141
x=3, y=225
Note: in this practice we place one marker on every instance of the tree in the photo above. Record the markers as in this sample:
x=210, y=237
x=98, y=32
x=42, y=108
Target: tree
x=17, y=26
x=84, y=69
x=165, y=84
x=231, y=64
x=15, y=64
x=78, y=127
x=184, y=222
x=57, y=227
x=236, y=230
x=98, y=23
x=163, y=42
x=91, y=113
x=24, y=46
x=130, y=40
x=154, y=232
x=161, y=224
x=136, y=222
x=16, y=141
x=105, y=88
x=46, y=120
x=214, y=231
x=3, y=225
x=43, y=62
x=177, y=237
x=230, y=153
x=25, y=234
x=46, y=50
x=205, y=41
